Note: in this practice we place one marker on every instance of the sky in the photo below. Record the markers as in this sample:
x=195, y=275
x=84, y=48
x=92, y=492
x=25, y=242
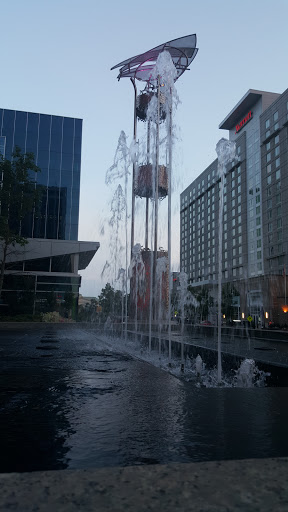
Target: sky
x=56, y=57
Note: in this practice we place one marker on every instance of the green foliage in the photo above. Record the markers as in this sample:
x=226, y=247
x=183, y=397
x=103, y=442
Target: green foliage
x=51, y=301
x=228, y=293
x=110, y=300
x=51, y=317
x=21, y=318
x=69, y=300
x=18, y=197
x=205, y=301
x=17, y=194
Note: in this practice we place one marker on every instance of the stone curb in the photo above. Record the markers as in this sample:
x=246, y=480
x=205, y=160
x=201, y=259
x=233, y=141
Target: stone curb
x=249, y=485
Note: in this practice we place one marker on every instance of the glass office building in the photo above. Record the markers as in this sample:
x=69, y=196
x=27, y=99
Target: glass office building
x=55, y=142
x=42, y=272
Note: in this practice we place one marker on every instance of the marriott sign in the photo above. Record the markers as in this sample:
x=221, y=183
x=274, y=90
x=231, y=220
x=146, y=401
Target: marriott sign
x=244, y=121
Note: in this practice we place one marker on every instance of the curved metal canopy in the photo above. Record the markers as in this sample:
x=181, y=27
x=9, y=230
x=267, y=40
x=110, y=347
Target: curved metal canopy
x=182, y=50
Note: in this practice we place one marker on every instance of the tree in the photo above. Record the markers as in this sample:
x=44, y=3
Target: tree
x=18, y=197
x=205, y=301
x=228, y=293
x=110, y=300
x=69, y=303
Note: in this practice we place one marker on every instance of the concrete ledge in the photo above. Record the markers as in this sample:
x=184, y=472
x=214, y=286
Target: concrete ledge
x=248, y=485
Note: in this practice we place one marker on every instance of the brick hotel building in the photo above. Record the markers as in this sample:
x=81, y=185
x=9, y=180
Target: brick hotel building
x=255, y=216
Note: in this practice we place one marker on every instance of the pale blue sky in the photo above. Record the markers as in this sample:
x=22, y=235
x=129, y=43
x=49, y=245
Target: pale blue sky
x=56, y=57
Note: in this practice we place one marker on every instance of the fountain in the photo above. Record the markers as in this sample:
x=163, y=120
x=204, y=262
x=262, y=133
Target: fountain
x=226, y=151
x=150, y=267
x=158, y=68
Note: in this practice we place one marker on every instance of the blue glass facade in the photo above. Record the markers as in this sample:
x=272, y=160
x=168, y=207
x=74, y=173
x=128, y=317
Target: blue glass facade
x=56, y=144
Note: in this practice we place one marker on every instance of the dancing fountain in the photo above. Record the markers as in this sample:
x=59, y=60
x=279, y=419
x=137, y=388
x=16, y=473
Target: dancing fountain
x=158, y=69
x=148, y=274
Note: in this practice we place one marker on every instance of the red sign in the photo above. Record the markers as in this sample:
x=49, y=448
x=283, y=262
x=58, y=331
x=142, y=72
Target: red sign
x=244, y=121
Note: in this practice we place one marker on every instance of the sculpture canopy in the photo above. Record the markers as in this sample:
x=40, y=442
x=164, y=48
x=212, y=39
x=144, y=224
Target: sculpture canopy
x=182, y=50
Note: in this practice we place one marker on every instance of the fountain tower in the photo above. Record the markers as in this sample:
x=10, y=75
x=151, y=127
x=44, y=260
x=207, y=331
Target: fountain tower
x=151, y=180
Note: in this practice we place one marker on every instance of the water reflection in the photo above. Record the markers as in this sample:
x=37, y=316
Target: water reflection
x=33, y=426
x=105, y=409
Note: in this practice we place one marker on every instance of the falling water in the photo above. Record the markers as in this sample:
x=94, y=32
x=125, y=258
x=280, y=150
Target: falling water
x=226, y=151
x=137, y=272
x=161, y=270
x=183, y=299
x=164, y=75
x=119, y=208
x=122, y=278
x=199, y=365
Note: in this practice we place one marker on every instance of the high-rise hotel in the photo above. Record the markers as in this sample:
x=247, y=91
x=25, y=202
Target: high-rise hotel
x=255, y=216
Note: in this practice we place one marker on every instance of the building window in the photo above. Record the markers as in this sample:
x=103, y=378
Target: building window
x=277, y=151
x=268, y=145
x=268, y=168
x=275, y=116
x=279, y=223
x=267, y=124
x=269, y=180
x=268, y=157
x=277, y=162
x=278, y=174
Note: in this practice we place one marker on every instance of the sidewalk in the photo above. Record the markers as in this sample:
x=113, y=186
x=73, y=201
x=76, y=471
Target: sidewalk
x=267, y=351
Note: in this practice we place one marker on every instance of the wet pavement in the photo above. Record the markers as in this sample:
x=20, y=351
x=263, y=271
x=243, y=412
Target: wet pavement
x=272, y=349
x=69, y=400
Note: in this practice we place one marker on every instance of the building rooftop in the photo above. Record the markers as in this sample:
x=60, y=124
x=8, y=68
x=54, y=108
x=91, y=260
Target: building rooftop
x=244, y=105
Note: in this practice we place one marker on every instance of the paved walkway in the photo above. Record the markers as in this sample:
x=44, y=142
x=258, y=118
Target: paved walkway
x=269, y=350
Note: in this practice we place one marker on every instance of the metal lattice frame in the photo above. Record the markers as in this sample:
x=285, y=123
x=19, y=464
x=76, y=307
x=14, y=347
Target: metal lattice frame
x=182, y=50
